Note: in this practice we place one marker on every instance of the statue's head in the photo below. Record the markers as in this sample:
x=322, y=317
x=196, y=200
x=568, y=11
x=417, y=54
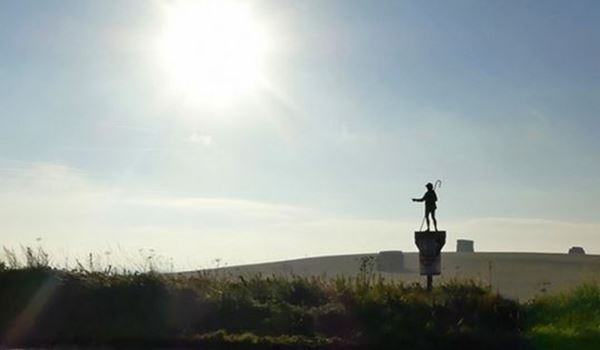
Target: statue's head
x=429, y=186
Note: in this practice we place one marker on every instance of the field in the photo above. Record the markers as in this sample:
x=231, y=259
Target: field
x=519, y=276
x=238, y=308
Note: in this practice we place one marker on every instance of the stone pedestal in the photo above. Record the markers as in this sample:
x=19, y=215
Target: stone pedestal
x=430, y=245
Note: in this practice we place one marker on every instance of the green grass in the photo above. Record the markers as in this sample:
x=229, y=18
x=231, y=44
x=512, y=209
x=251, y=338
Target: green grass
x=42, y=306
x=566, y=321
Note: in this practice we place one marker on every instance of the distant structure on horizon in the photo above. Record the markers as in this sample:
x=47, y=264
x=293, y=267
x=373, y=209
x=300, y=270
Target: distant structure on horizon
x=576, y=251
x=465, y=246
x=390, y=261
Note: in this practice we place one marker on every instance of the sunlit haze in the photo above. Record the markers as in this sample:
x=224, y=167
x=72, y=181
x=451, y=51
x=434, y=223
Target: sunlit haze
x=213, y=50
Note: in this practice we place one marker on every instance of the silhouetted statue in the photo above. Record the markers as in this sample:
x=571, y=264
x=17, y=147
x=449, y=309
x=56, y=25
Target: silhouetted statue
x=429, y=198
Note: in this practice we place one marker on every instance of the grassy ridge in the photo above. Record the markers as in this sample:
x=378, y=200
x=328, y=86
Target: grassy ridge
x=42, y=306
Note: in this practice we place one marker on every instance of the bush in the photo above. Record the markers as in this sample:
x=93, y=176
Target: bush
x=53, y=307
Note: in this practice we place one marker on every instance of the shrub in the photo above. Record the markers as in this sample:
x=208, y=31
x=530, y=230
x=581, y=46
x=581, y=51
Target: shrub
x=100, y=308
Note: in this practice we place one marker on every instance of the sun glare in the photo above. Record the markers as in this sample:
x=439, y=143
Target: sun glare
x=213, y=49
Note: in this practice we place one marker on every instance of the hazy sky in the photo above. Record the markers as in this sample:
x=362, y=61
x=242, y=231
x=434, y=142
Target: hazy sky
x=360, y=104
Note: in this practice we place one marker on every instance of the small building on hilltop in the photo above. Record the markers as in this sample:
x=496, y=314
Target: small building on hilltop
x=390, y=261
x=465, y=246
x=576, y=251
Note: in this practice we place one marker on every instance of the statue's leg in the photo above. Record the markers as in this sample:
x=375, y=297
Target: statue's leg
x=427, y=218
x=434, y=220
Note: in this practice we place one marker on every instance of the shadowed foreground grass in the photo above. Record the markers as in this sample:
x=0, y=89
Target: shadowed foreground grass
x=43, y=306
x=47, y=307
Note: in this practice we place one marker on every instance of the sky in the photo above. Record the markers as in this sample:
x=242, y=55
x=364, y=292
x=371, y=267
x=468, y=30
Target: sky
x=358, y=105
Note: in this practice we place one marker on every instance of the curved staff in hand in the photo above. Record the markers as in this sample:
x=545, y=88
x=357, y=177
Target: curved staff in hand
x=429, y=198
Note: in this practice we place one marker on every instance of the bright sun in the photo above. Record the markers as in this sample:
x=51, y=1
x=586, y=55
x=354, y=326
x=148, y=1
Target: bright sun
x=213, y=49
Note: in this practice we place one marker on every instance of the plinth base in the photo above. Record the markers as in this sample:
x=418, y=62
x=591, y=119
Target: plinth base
x=430, y=245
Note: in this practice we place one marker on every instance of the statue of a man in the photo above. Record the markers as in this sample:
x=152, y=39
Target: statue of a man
x=429, y=198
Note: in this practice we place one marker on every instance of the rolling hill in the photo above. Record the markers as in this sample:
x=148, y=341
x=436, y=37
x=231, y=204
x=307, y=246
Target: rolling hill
x=515, y=275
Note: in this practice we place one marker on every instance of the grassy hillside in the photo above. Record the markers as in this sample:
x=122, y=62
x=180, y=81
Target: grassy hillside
x=43, y=307
x=515, y=275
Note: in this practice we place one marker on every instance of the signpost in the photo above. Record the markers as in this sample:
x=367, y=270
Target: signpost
x=430, y=245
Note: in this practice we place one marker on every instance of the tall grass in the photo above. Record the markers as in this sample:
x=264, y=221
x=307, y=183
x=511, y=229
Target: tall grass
x=37, y=257
x=96, y=304
x=42, y=306
x=569, y=320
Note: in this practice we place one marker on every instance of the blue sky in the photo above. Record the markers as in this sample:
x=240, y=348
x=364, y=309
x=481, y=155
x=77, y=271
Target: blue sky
x=365, y=103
